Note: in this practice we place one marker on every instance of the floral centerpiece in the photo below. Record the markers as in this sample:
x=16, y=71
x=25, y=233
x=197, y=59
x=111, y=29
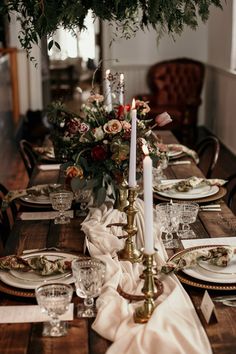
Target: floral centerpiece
x=97, y=143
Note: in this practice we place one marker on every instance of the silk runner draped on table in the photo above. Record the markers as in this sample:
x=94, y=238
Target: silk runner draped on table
x=174, y=327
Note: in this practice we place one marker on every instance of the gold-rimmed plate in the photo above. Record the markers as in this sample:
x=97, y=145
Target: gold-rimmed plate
x=30, y=280
x=212, y=284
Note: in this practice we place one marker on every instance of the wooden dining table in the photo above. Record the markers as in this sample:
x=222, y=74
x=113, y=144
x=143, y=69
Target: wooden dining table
x=26, y=338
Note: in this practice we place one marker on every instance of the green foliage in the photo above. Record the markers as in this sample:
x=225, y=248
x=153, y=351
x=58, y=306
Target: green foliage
x=39, y=18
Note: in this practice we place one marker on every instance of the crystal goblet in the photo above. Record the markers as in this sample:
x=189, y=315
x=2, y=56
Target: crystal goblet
x=188, y=215
x=169, y=216
x=61, y=201
x=83, y=198
x=89, y=276
x=162, y=164
x=54, y=299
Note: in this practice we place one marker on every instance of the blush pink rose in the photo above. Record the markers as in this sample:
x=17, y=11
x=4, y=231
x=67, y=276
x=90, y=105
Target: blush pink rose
x=83, y=128
x=113, y=126
x=163, y=119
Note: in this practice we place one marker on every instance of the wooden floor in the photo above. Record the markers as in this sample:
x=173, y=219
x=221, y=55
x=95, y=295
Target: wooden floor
x=13, y=174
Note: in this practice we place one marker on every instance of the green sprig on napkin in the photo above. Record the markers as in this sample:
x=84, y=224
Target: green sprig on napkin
x=189, y=183
x=40, y=264
x=219, y=256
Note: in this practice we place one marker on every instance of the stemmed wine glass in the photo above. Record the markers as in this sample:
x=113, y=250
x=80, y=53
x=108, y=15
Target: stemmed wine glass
x=83, y=197
x=61, y=201
x=188, y=215
x=162, y=164
x=89, y=276
x=54, y=299
x=169, y=216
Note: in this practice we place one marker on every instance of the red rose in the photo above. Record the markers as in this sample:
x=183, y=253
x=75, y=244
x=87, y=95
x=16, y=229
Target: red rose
x=122, y=110
x=98, y=153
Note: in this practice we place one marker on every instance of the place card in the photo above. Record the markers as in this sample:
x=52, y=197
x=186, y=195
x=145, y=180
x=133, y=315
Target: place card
x=224, y=241
x=29, y=314
x=44, y=215
x=49, y=167
x=208, y=308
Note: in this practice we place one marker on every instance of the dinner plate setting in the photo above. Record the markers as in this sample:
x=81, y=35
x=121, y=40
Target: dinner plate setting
x=40, y=194
x=29, y=280
x=200, y=191
x=206, y=275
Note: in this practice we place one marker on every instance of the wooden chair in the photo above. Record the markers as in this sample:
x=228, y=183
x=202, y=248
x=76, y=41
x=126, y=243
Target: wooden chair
x=230, y=197
x=208, y=151
x=28, y=156
x=175, y=86
x=7, y=217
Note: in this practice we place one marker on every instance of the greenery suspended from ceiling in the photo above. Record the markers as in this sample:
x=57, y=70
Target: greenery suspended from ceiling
x=42, y=17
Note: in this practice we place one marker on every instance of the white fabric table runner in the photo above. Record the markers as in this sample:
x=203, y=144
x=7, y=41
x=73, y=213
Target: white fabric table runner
x=174, y=327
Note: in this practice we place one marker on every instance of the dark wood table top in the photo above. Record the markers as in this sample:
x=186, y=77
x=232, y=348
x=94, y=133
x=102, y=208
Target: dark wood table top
x=26, y=338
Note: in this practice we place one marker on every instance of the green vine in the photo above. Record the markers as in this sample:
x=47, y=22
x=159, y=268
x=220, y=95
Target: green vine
x=41, y=18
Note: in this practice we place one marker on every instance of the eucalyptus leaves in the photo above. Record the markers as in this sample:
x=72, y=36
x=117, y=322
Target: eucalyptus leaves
x=40, y=18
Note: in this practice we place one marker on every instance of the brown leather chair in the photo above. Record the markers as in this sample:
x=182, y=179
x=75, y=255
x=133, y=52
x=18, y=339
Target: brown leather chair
x=175, y=86
x=29, y=157
x=208, y=151
x=7, y=217
x=230, y=197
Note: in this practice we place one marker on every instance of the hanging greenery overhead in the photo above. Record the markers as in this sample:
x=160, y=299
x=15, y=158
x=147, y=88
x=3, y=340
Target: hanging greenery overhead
x=42, y=17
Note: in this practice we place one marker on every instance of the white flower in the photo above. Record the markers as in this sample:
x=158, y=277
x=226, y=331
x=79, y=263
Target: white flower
x=62, y=124
x=98, y=133
x=96, y=98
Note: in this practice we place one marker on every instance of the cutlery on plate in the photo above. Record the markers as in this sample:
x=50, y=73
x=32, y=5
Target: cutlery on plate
x=210, y=209
x=231, y=303
x=224, y=298
x=210, y=206
x=184, y=162
x=56, y=249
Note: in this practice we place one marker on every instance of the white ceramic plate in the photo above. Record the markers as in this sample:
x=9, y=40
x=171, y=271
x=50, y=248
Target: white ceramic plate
x=195, y=193
x=172, y=153
x=30, y=280
x=210, y=273
x=40, y=199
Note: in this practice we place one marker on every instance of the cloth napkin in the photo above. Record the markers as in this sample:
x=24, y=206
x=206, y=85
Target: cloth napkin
x=47, y=152
x=185, y=150
x=190, y=183
x=174, y=327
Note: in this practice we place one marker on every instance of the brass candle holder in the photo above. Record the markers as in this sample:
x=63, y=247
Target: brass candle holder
x=130, y=251
x=144, y=312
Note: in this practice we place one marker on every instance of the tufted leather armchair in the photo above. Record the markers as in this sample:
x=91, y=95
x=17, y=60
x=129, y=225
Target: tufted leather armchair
x=175, y=86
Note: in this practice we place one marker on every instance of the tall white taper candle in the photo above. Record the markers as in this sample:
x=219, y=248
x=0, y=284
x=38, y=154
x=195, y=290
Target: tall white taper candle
x=132, y=154
x=108, y=94
x=121, y=93
x=148, y=205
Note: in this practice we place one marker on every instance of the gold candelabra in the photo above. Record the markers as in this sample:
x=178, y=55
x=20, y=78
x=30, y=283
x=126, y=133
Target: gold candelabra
x=144, y=312
x=130, y=251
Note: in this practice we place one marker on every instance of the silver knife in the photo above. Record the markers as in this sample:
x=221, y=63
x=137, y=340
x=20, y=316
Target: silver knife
x=224, y=298
x=184, y=162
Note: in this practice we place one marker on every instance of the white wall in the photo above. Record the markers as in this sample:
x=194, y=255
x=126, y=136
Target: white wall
x=138, y=54
x=29, y=77
x=220, y=79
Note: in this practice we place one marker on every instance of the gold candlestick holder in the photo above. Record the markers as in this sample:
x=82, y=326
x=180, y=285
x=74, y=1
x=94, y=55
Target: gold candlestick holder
x=130, y=251
x=144, y=312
